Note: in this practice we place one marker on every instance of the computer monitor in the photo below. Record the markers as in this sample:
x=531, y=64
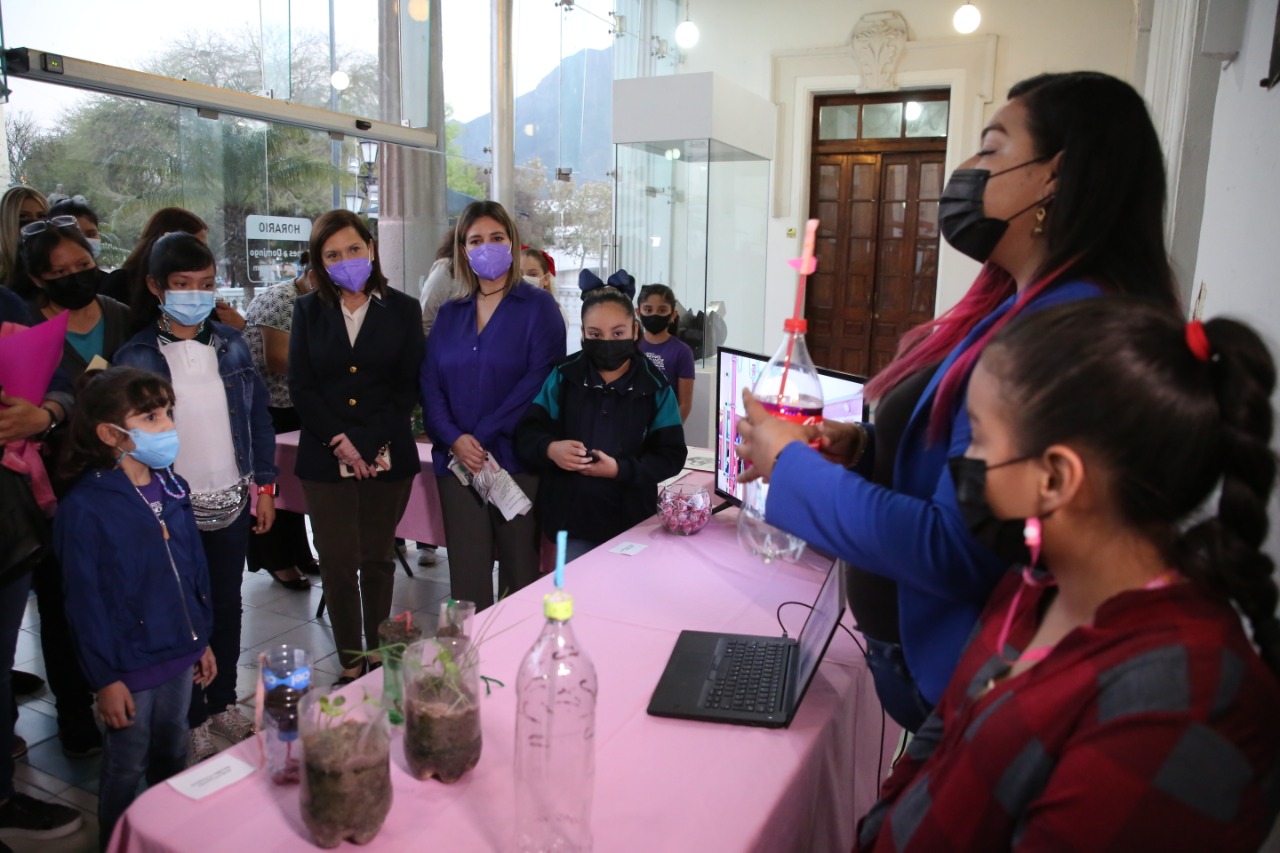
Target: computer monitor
x=736, y=370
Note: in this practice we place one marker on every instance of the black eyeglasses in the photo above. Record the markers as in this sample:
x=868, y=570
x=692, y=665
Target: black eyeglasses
x=42, y=225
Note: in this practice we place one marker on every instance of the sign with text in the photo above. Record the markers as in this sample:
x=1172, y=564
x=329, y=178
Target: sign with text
x=273, y=246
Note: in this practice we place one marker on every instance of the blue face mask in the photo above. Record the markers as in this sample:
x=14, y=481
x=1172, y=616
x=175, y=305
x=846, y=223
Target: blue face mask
x=188, y=307
x=154, y=449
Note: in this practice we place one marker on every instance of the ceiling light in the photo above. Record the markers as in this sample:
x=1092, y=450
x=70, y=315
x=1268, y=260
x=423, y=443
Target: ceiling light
x=687, y=34
x=340, y=80
x=966, y=18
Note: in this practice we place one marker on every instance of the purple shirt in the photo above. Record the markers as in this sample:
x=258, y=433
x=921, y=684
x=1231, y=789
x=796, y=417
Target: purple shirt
x=672, y=357
x=481, y=383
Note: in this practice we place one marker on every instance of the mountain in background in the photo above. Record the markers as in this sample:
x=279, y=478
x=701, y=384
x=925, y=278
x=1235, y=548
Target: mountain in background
x=584, y=111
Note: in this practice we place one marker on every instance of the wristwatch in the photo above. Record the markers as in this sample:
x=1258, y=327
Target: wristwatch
x=53, y=420
x=269, y=489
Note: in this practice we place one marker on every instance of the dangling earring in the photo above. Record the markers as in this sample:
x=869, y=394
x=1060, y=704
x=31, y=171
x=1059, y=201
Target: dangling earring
x=1039, y=226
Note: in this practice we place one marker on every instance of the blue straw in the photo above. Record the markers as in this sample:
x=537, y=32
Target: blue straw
x=562, y=539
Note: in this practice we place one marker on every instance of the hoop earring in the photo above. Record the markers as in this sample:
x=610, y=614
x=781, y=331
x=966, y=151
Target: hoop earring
x=1036, y=231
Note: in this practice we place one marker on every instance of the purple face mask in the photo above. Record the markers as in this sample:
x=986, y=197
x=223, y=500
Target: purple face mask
x=490, y=261
x=351, y=274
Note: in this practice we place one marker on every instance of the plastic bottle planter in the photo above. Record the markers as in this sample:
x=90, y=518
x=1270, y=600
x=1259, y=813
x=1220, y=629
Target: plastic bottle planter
x=442, y=708
x=394, y=637
x=286, y=678
x=456, y=617
x=346, y=786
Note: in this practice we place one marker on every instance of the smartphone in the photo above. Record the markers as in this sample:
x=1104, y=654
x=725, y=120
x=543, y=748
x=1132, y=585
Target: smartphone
x=593, y=456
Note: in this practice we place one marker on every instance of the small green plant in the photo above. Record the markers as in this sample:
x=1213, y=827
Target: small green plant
x=334, y=706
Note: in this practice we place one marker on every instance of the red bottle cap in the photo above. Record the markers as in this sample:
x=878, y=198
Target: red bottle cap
x=795, y=324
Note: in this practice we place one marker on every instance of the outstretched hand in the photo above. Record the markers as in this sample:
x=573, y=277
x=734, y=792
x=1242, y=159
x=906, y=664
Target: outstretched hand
x=763, y=436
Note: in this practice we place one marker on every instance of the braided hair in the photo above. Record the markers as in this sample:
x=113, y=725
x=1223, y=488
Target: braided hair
x=1173, y=412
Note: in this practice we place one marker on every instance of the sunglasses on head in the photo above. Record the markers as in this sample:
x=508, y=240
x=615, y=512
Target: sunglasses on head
x=42, y=225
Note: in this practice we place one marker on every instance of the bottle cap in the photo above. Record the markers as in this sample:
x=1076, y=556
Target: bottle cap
x=795, y=324
x=558, y=605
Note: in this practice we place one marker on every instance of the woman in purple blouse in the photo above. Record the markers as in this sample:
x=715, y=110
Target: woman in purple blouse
x=487, y=356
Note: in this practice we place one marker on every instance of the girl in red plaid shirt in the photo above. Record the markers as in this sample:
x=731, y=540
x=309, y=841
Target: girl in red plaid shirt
x=1110, y=699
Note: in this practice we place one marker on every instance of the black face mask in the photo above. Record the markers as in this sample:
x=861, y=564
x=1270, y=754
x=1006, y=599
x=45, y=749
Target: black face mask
x=608, y=355
x=656, y=324
x=1003, y=536
x=962, y=218
x=72, y=291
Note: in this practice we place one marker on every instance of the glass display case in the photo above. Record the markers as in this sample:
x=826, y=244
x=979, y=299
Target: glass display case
x=691, y=214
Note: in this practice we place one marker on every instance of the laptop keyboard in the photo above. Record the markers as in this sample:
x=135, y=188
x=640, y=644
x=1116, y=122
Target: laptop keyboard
x=748, y=677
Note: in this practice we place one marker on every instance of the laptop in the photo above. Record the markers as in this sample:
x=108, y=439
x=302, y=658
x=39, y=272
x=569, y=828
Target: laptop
x=745, y=679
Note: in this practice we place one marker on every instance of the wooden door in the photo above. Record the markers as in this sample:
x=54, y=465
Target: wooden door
x=876, y=199
x=838, y=302
x=906, y=269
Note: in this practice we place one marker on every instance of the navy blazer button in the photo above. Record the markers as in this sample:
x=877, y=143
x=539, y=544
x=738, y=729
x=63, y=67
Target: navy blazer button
x=353, y=368
x=351, y=402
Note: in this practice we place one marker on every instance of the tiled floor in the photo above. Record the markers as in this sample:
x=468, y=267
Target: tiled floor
x=272, y=615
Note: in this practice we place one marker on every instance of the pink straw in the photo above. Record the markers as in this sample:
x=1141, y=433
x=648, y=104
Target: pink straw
x=805, y=264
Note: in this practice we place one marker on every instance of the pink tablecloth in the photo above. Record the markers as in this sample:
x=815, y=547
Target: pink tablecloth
x=661, y=784
x=421, y=522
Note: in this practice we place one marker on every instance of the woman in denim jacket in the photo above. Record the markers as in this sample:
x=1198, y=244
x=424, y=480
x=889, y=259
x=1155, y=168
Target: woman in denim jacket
x=227, y=445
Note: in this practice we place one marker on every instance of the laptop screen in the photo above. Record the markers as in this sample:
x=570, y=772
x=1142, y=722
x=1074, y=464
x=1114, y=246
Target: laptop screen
x=818, y=628
x=736, y=370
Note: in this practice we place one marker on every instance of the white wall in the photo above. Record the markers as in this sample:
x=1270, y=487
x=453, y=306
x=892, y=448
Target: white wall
x=1239, y=258
x=740, y=38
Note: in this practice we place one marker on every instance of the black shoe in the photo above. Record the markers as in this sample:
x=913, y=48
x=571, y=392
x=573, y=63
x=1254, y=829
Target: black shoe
x=27, y=817
x=310, y=568
x=26, y=683
x=76, y=744
x=290, y=578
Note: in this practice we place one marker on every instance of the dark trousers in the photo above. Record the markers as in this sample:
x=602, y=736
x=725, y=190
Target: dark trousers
x=154, y=747
x=477, y=534
x=355, y=526
x=71, y=692
x=285, y=545
x=13, y=603
x=224, y=550
x=895, y=685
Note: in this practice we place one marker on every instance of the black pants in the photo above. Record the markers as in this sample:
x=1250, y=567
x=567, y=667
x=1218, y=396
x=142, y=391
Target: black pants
x=71, y=692
x=224, y=550
x=355, y=525
x=477, y=534
x=285, y=545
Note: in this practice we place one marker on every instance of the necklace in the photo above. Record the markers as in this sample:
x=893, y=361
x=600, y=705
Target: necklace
x=491, y=292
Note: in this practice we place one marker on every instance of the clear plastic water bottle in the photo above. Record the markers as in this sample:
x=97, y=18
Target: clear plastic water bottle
x=286, y=676
x=799, y=400
x=555, y=738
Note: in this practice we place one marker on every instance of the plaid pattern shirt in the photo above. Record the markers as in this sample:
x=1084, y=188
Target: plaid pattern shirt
x=1155, y=728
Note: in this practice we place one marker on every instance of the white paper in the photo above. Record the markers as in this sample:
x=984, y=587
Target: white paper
x=494, y=486
x=629, y=549
x=210, y=776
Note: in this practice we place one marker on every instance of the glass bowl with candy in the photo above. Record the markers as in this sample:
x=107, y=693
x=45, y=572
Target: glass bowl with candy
x=684, y=508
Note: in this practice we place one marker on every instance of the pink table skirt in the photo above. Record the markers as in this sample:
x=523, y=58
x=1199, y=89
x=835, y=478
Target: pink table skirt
x=421, y=522
x=661, y=784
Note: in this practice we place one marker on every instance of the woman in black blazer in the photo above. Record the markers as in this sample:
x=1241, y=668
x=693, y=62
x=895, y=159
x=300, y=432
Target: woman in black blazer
x=354, y=356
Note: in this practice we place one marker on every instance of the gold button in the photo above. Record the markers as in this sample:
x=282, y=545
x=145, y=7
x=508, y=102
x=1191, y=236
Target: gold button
x=352, y=368
x=351, y=402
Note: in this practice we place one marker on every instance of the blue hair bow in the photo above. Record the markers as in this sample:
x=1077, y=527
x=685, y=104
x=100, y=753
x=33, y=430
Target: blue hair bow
x=622, y=280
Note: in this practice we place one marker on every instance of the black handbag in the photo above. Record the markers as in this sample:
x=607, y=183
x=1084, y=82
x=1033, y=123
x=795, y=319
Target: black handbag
x=24, y=531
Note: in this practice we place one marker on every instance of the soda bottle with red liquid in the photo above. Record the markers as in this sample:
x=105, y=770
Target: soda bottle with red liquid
x=788, y=389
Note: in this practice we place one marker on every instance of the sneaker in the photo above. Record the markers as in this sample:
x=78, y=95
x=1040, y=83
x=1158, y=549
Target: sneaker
x=231, y=724
x=427, y=555
x=27, y=817
x=19, y=747
x=201, y=745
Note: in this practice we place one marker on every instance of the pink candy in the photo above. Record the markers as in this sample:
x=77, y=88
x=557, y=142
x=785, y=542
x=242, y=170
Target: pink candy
x=684, y=509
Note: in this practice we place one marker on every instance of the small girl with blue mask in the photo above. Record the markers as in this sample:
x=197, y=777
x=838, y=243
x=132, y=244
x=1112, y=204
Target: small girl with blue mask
x=137, y=586
x=228, y=447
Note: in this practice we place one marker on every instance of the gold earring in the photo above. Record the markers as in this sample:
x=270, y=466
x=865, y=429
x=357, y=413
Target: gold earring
x=1039, y=226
